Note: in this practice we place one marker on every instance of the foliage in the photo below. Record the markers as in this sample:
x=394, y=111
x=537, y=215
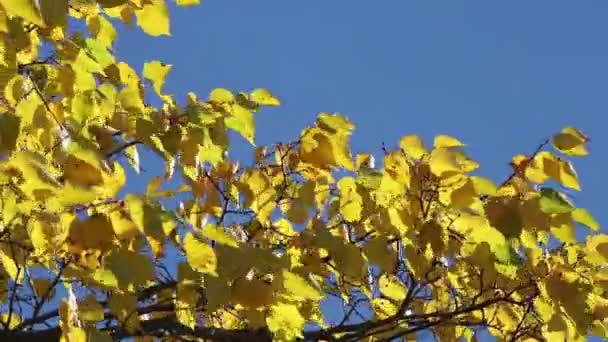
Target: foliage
x=417, y=244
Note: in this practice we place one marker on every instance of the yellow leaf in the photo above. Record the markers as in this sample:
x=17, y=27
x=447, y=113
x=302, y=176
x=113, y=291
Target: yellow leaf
x=241, y=120
x=568, y=176
x=570, y=142
x=264, y=97
x=95, y=232
x=221, y=95
x=349, y=261
x=446, y=141
x=259, y=193
x=285, y=322
x=391, y=287
x=156, y=72
x=351, y=203
x=443, y=162
x=562, y=228
x=3, y=29
x=133, y=158
x=504, y=214
x=484, y=186
x=200, y=255
x=413, y=145
x=299, y=288
x=130, y=269
x=252, y=293
x=148, y=219
x=583, y=216
x=111, y=3
x=397, y=167
x=558, y=169
x=25, y=9
x=54, y=12
x=114, y=181
x=187, y=2
x=597, y=249
x=327, y=144
x=219, y=235
x=122, y=306
x=364, y=161
x=81, y=173
x=11, y=268
x=90, y=310
x=42, y=287
x=377, y=252
x=383, y=308
x=464, y=196
x=15, y=320
x=153, y=18
x=186, y=299
x=102, y=29
x=153, y=185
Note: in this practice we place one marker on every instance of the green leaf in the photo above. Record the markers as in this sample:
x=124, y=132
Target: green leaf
x=554, y=202
x=505, y=254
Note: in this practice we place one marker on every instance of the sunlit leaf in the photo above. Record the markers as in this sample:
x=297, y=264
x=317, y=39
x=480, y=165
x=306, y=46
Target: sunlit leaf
x=392, y=288
x=200, y=255
x=285, y=322
x=446, y=141
x=583, y=216
x=23, y=8
x=413, y=145
x=264, y=97
x=570, y=141
x=153, y=18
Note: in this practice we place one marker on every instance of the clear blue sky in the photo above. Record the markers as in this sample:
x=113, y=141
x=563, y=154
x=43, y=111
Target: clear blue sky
x=501, y=76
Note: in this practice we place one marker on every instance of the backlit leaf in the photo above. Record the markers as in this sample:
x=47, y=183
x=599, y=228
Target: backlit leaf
x=285, y=322
x=570, y=141
x=300, y=288
x=241, y=120
x=153, y=18
x=200, y=255
x=446, y=141
x=350, y=201
x=392, y=288
x=215, y=233
x=156, y=72
x=187, y=2
x=23, y=8
x=583, y=216
x=554, y=202
x=413, y=145
x=264, y=97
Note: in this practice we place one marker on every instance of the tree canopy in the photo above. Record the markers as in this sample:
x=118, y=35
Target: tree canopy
x=420, y=242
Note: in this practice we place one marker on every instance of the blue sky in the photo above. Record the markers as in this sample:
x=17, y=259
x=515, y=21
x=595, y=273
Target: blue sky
x=500, y=76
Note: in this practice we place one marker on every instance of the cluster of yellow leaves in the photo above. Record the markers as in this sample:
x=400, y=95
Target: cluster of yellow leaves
x=261, y=245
